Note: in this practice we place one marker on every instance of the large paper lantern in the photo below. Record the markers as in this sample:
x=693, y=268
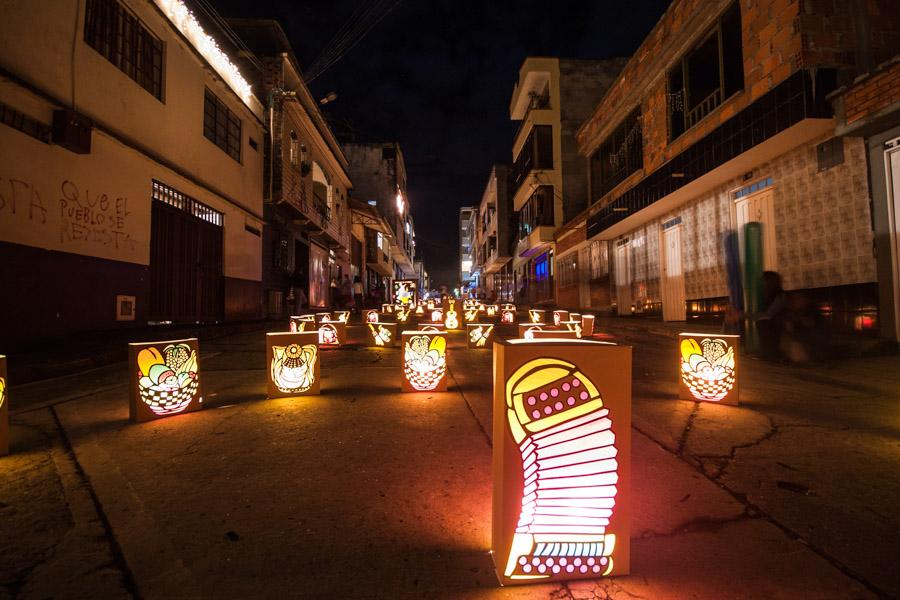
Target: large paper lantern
x=587, y=325
x=405, y=292
x=382, y=334
x=419, y=310
x=452, y=316
x=437, y=316
x=4, y=408
x=292, y=361
x=302, y=323
x=342, y=315
x=479, y=335
x=332, y=333
x=573, y=326
x=470, y=315
x=323, y=317
x=165, y=379
x=424, y=361
x=507, y=316
x=491, y=310
x=402, y=314
x=562, y=453
x=526, y=329
x=429, y=304
x=370, y=315
x=536, y=315
x=708, y=367
x=559, y=316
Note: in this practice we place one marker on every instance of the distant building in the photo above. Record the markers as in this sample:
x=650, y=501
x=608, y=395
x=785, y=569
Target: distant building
x=467, y=277
x=733, y=127
x=548, y=182
x=130, y=171
x=379, y=180
x=306, y=239
x=494, y=236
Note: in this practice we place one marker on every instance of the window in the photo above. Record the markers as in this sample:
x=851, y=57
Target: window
x=221, y=126
x=707, y=75
x=163, y=193
x=620, y=155
x=111, y=30
x=536, y=212
x=295, y=149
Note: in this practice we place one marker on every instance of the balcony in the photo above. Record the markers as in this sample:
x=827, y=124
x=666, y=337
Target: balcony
x=535, y=222
x=536, y=154
x=323, y=225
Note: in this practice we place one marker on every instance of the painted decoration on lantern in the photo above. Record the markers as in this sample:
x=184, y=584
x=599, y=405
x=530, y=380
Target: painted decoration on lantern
x=587, y=325
x=491, y=310
x=470, y=315
x=480, y=335
x=526, y=330
x=559, y=316
x=536, y=315
x=420, y=311
x=573, y=326
x=299, y=324
x=371, y=316
x=165, y=379
x=332, y=333
x=709, y=367
x=4, y=408
x=323, y=317
x=429, y=304
x=562, y=418
x=405, y=292
x=387, y=308
x=507, y=316
x=402, y=314
x=508, y=306
x=293, y=360
x=383, y=334
x=342, y=316
x=424, y=361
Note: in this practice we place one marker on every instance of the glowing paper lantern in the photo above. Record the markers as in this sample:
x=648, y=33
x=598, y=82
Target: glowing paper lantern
x=709, y=368
x=323, y=317
x=479, y=335
x=431, y=327
x=370, y=316
x=302, y=323
x=536, y=315
x=4, y=408
x=559, y=316
x=382, y=334
x=507, y=316
x=491, y=310
x=573, y=326
x=342, y=315
x=402, y=314
x=452, y=315
x=332, y=333
x=525, y=329
x=429, y=304
x=293, y=364
x=587, y=325
x=424, y=361
x=420, y=311
x=387, y=308
x=437, y=316
x=574, y=317
x=405, y=292
x=165, y=379
x=470, y=315
x=562, y=454
x=508, y=306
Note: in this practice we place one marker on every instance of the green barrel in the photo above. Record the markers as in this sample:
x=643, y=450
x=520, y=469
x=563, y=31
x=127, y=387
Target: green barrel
x=753, y=271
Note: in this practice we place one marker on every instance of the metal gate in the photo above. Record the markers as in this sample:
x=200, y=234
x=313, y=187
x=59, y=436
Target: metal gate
x=186, y=245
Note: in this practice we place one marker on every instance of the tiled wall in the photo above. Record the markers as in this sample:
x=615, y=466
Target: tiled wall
x=823, y=228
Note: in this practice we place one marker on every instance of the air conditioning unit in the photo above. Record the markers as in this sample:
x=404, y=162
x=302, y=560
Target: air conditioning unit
x=72, y=131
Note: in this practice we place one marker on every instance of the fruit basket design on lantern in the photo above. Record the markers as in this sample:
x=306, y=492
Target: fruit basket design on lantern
x=168, y=380
x=569, y=469
x=425, y=361
x=293, y=367
x=707, y=368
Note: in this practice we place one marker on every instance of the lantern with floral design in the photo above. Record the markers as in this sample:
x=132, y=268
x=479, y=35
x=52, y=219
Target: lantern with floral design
x=293, y=364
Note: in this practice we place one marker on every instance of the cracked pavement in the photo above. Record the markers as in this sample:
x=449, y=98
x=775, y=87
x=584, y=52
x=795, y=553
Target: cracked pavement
x=364, y=492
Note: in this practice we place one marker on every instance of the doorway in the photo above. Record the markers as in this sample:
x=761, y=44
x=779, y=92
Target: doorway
x=673, y=293
x=892, y=175
x=759, y=207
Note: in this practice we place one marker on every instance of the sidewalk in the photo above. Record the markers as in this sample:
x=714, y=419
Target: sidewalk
x=364, y=492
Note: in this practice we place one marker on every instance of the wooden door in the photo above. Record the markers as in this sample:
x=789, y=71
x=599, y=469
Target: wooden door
x=759, y=207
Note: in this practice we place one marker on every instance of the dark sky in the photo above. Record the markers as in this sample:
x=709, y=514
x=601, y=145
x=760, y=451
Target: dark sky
x=437, y=76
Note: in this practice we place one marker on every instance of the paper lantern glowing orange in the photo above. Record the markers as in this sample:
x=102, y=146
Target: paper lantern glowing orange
x=402, y=314
x=491, y=310
x=559, y=316
x=526, y=330
x=165, y=379
x=424, y=361
x=562, y=453
x=387, y=308
x=470, y=315
x=4, y=408
x=587, y=325
x=293, y=364
x=420, y=311
x=383, y=334
x=709, y=368
x=302, y=323
x=332, y=333
x=342, y=315
x=371, y=316
x=507, y=316
x=573, y=326
x=323, y=317
x=536, y=315
x=405, y=292
x=479, y=335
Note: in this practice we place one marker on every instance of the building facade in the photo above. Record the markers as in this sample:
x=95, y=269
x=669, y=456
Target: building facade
x=468, y=273
x=378, y=173
x=552, y=98
x=719, y=120
x=131, y=165
x=493, y=236
x=306, y=238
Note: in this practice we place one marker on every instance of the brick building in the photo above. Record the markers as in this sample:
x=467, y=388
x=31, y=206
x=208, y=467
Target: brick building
x=721, y=118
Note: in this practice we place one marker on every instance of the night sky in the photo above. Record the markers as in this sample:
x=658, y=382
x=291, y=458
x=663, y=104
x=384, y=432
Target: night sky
x=437, y=76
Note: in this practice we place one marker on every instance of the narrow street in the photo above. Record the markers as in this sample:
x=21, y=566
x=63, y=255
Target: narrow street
x=364, y=492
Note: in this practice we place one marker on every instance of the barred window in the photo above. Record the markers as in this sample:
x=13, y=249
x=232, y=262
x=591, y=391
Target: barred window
x=173, y=197
x=111, y=30
x=221, y=126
